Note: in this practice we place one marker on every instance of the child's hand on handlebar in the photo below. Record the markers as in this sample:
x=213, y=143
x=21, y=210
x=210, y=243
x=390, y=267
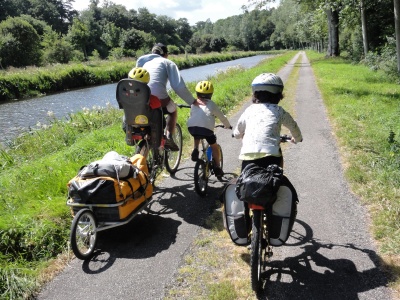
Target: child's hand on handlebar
x=292, y=140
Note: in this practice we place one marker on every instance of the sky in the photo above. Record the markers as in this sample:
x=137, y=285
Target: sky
x=193, y=10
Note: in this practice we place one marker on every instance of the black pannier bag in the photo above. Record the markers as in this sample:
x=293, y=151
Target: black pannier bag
x=235, y=215
x=283, y=213
x=258, y=185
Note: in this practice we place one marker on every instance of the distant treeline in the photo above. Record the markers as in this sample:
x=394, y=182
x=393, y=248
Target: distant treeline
x=38, y=33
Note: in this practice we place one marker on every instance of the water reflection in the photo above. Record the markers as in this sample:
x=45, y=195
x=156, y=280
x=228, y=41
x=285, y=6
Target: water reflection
x=17, y=116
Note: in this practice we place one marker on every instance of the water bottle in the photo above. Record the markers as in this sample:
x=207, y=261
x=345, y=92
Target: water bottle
x=209, y=153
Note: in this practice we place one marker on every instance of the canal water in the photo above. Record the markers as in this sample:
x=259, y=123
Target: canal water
x=18, y=116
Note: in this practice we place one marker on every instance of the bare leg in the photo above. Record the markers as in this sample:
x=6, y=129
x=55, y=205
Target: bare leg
x=171, y=122
x=215, y=153
x=196, y=143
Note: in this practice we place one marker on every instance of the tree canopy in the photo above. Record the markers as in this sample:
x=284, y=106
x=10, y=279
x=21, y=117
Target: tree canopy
x=351, y=28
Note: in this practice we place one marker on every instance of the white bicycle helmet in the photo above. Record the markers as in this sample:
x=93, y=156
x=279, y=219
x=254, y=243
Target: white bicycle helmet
x=267, y=82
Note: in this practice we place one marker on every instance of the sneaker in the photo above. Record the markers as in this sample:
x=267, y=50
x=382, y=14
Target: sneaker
x=171, y=145
x=218, y=172
x=195, y=155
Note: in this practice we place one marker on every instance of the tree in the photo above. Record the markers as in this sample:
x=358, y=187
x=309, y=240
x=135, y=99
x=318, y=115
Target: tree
x=166, y=32
x=146, y=21
x=132, y=40
x=78, y=35
x=333, y=30
x=364, y=27
x=19, y=43
x=55, y=48
x=111, y=35
x=218, y=44
x=397, y=30
x=183, y=30
x=116, y=14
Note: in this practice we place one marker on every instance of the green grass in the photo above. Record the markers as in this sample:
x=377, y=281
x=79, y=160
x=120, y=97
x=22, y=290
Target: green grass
x=35, y=169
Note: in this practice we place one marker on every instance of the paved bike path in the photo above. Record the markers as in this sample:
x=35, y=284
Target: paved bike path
x=330, y=255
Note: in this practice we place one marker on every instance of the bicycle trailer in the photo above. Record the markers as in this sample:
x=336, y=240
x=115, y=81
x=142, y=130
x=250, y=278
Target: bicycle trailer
x=111, y=191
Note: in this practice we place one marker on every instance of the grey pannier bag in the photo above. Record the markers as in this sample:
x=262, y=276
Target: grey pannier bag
x=283, y=213
x=235, y=215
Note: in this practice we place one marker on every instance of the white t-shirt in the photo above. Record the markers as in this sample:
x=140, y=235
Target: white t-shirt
x=161, y=70
x=204, y=115
x=260, y=127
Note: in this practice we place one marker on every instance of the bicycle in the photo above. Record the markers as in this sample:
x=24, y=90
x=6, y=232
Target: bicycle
x=159, y=157
x=261, y=247
x=205, y=166
x=142, y=125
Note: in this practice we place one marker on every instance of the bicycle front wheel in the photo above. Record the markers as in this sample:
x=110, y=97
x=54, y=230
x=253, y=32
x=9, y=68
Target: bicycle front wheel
x=173, y=158
x=201, y=177
x=83, y=236
x=256, y=259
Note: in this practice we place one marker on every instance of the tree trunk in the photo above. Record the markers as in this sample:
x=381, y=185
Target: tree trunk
x=333, y=32
x=397, y=28
x=329, y=50
x=364, y=27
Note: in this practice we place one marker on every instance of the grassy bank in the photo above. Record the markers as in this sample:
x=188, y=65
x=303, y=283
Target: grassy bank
x=33, y=82
x=34, y=170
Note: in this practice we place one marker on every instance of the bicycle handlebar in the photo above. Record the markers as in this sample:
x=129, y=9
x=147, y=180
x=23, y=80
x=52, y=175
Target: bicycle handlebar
x=183, y=106
x=222, y=126
x=285, y=138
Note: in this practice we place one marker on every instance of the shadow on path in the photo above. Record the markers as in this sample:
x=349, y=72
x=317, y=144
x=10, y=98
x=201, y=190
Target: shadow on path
x=317, y=274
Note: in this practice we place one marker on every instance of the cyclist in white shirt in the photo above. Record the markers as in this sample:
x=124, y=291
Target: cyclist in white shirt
x=260, y=124
x=161, y=71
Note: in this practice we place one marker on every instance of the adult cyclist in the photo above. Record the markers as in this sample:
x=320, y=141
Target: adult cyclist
x=161, y=71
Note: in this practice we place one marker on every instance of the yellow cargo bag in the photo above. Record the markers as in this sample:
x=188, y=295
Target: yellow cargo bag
x=102, y=190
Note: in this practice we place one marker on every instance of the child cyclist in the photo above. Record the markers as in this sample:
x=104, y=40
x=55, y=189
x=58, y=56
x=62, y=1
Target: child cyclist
x=260, y=124
x=201, y=123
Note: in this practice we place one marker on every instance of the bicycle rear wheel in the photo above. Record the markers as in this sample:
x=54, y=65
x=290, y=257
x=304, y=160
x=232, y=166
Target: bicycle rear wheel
x=151, y=155
x=173, y=158
x=256, y=258
x=201, y=177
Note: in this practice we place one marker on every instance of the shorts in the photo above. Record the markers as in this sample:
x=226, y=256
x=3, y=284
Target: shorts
x=203, y=133
x=168, y=106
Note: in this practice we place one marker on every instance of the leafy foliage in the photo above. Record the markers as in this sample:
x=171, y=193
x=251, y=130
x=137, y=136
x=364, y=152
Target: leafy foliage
x=19, y=43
